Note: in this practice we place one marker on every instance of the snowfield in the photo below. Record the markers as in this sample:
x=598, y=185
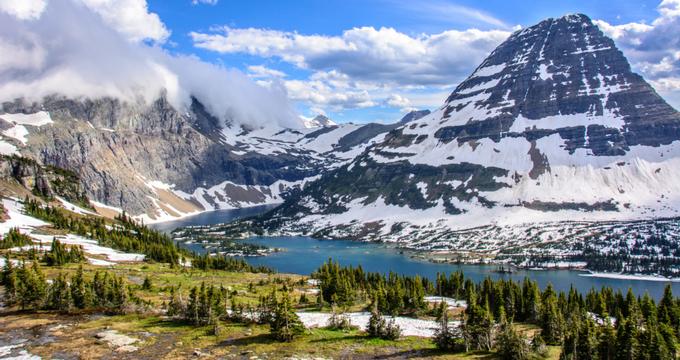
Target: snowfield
x=409, y=326
x=28, y=226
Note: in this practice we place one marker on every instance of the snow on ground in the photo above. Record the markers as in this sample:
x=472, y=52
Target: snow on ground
x=16, y=352
x=28, y=224
x=17, y=219
x=39, y=118
x=7, y=148
x=91, y=247
x=18, y=131
x=409, y=326
x=74, y=208
x=630, y=277
x=100, y=262
x=450, y=302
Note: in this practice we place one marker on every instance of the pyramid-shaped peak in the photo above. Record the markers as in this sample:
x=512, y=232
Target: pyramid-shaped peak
x=561, y=73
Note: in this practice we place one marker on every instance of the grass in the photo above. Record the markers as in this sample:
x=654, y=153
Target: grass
x=164, y=338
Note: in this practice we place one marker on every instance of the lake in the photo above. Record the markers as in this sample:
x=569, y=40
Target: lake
x=303, y=254
x=211, y=218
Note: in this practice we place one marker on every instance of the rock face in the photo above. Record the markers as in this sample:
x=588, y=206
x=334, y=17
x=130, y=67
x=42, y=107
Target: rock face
x=45, y=181
x=119, y=149
x=562, y=76
x=159, y=162
x=552, y=126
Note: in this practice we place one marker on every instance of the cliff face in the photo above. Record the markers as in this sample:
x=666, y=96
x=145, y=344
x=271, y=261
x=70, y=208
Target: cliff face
x=154, y=160
x=45, y=181
x=121, y=150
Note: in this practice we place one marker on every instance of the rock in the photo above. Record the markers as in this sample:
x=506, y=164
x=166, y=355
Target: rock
x=114, y=339
x=127, y=349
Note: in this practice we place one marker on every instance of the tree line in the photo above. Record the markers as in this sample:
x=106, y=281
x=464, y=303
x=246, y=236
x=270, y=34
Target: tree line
x=125, y=235
x=26, y=287
x=392, y=293
x=226, y=263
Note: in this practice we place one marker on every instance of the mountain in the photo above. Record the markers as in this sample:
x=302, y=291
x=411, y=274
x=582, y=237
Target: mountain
x=318, y=121
x=159, y=163
x=553, y=127
x=413, y=115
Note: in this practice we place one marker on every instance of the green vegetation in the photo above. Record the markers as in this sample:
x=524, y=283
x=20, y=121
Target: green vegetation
x=61, y=254
x=14, y=238
x=125, y=235
x=27, y=287
x=392, y=294
x=227, y=263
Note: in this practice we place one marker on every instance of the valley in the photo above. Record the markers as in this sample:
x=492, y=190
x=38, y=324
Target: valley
x=275, y=187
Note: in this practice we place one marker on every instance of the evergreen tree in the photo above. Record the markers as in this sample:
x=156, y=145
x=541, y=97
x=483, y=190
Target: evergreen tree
x=447, y=337
x=478, y=326
x=376, y=323
x=9, y=280
x=512, y=345
x=552, y=322
x=285, y=324
x=79, y=290
x=176, y=306
x=32, y=287
x=59, y=294
x=147, y=285
x=626, y=340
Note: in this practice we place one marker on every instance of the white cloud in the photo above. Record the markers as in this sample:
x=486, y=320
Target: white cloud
x=449, y=13
x=384, y=56
x=365, y=66
x=131, y=17
x=261, y=71
x=319, y=93
x=205, y=2
x=23, y=9
x=654, y=48
x=72, y=51
x=398, y=101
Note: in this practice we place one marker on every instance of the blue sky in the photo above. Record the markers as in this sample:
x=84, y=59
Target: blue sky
x=332, y=18
x=353, y=60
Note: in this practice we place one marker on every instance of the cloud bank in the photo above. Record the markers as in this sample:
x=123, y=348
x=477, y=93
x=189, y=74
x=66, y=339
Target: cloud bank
x=654, y=48
x=100, y=48
x=363, y=67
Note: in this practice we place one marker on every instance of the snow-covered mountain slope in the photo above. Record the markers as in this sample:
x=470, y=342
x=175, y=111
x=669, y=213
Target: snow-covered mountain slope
x=553, y=126
x=159, y=163
x=318, y=121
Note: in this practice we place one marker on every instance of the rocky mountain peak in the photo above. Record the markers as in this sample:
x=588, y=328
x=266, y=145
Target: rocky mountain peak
x=413, y=115
x=319, y=121
x=559, y=74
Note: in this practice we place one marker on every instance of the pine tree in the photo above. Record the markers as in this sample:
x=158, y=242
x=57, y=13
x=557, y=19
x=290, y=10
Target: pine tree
x=59, y=294
x=285, y=324
x=176, y=306
x=512, y=345
x=447, y=337
x=32, y=287
x=552, y=322
x=606, y=348
x=147, y=285
x=376, y=323
x=319, y=299
x=79, y=290
x=9, y=280
x=627, y=340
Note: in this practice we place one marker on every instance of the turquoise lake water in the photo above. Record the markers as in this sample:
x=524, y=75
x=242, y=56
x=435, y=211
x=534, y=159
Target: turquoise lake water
x=303, y=254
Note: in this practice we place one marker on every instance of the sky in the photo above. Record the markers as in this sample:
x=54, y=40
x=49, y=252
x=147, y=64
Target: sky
x=267, y=61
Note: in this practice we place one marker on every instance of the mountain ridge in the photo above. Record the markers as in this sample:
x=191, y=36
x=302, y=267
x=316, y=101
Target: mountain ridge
x=552, y=126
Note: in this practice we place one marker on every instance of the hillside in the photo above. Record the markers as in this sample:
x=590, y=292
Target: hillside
x=553, y=128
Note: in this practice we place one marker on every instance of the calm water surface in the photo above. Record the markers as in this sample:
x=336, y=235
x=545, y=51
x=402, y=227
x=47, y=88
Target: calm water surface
x=211, y=218
x=303, y=254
